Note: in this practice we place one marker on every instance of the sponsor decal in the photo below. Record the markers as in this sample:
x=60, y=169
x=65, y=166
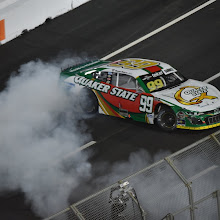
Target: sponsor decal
x=155, y=84
x=181, y=118
x=192, y=95
x=133, y=64
x=121, y=93
x=181, y=122
x=157, y=74
x=91, y=84
x=146, y=104
x=109, y=78
x=149, y=118
x=180, y=115
x=169, y=70
x=101, y=87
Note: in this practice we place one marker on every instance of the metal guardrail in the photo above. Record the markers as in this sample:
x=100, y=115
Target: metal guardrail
x=184, y=185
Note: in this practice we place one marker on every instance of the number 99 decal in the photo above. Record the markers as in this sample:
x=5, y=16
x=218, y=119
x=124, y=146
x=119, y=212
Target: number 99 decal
x=146, y=104
x=156, y=84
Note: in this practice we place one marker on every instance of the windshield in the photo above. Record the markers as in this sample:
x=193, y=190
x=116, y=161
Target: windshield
x=159, y=81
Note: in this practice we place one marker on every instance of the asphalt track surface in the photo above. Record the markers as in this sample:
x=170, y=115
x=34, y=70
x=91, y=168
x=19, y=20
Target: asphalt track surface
x=100, y=27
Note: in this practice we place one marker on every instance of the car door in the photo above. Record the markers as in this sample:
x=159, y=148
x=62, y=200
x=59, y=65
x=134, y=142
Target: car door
x=125, y=98
x=130, y=96
x=124, y=94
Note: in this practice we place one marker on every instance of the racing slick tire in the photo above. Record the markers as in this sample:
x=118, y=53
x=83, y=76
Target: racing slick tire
x=166, y=119
x=88, y=101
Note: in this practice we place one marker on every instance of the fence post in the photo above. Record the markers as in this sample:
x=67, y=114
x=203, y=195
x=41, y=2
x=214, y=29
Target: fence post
x=77, y=212
x=187, y=184
x=132, y=194
x=217, y=194
x=143, y=213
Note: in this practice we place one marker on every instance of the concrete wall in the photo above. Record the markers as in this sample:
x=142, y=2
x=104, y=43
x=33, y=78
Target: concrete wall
x=19, y=15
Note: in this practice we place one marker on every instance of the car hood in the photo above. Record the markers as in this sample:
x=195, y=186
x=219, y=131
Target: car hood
x=192, y=95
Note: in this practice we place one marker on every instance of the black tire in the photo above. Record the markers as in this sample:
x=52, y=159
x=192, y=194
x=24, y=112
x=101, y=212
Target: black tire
x=88, y=101
x=166, y=119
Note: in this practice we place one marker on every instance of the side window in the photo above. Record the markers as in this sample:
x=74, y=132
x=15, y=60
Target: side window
x=127, y=82
x=114, y=80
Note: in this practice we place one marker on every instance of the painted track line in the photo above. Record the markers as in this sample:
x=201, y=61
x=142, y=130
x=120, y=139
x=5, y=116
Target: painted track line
x=71, y=154
x=212, y=78
x=85, y=146
x=158, y=30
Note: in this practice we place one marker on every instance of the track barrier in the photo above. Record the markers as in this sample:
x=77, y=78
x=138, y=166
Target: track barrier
x=184, y=185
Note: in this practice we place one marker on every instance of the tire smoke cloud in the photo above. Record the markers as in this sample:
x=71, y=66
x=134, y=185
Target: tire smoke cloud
x=38, y=126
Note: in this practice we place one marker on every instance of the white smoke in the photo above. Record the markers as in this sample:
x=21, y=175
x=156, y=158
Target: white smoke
x=119, y=170
x=37, y=128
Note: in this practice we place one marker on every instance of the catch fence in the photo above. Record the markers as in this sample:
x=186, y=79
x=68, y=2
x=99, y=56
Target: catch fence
x=182, y=186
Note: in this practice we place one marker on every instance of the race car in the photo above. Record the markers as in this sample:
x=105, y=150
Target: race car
x=145, y=90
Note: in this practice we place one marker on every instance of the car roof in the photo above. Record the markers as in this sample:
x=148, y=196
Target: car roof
x=139, y=66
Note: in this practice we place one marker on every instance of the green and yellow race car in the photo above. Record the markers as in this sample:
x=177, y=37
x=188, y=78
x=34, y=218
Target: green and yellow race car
x=145, y=90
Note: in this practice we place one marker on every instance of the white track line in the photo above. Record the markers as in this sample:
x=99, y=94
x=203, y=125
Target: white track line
x=158, y=30
x=212, y=78
x=78, y=150
x=85, y=146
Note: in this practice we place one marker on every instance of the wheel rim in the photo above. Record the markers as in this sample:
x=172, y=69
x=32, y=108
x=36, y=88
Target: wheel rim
x=168, y=120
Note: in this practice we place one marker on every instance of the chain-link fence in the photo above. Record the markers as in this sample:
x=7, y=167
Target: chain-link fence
x=185, y=185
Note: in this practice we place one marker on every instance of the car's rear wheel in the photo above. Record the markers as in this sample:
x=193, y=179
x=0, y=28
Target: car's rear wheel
x=166, y=119
x=88, y=101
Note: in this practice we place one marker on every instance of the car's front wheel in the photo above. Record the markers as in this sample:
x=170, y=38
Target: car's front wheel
x=88, y=101
x=166, y=119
